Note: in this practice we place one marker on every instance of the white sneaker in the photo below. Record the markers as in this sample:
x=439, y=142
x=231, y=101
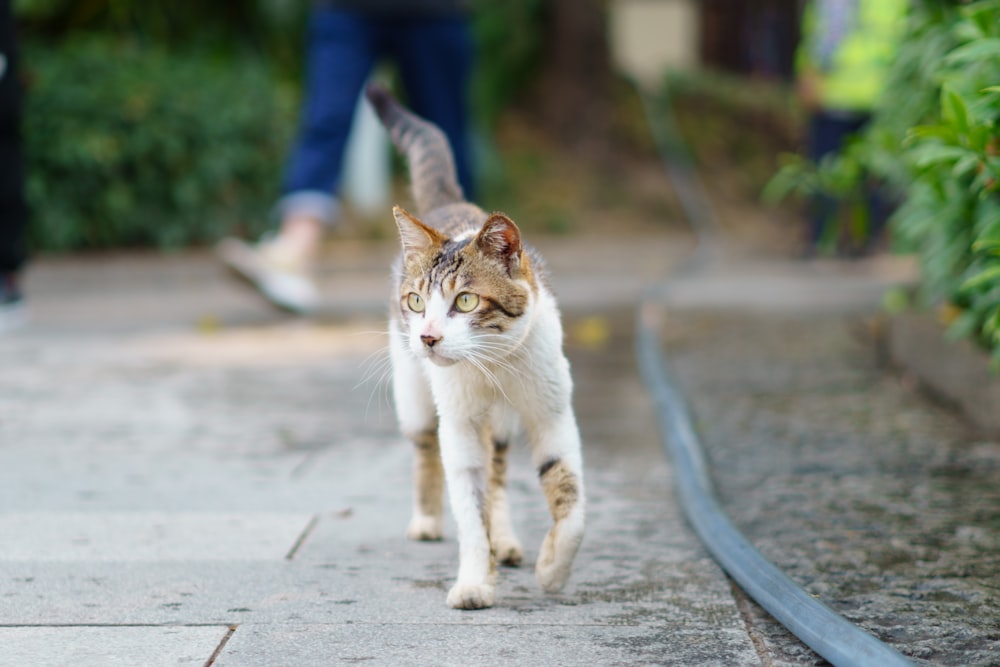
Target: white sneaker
x=280, y=276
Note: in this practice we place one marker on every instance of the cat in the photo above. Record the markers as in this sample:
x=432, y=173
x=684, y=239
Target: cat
x=475, y=341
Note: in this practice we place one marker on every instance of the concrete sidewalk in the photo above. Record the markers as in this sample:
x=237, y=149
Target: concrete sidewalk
x=188, y=477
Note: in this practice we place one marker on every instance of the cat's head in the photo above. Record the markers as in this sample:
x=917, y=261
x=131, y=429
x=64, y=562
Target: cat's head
x=466, y=298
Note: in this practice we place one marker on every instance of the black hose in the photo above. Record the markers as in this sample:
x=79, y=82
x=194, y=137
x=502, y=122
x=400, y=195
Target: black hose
x=818, y=626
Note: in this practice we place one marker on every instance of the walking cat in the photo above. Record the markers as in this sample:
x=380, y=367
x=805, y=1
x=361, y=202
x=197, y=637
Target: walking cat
x=476, y=346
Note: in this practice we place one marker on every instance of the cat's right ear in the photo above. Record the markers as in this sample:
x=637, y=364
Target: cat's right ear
x=413, y=234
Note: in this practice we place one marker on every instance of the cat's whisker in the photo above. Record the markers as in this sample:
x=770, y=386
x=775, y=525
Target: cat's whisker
x=505, y=359
x=371, y=332
x=489, y=375
x=378, y=372
x=375, y=361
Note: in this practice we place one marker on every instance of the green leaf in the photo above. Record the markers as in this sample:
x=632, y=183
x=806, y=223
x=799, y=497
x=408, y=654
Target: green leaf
x=983, y=13
x=989, y=246
x=975, y=51
x=926, y=155
x=954, y=110
x=966, y=165
x=896, y=300
x=984, y=277
x=920, y=132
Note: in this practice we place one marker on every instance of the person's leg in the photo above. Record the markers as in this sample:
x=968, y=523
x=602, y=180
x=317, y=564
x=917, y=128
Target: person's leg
x=827, y=134
x=13, y=206
x=339, y=59
x=435, y=63
x=340, y=56
x=880, y=209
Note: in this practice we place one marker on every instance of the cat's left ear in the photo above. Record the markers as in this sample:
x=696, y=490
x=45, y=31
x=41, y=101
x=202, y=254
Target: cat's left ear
x=501, y=239
x=413, y=234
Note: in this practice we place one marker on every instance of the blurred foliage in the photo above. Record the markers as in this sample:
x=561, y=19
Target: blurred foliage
x=509, y=41
x=270, y=29
x=735, y=125
x=936, y=142
x=155, y=123
x=131, y=145
x=166, y=123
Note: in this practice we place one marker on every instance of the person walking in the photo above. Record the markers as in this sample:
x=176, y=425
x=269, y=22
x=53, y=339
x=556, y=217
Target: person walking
x=430, y=43
x=13, y=204
x=842, y=61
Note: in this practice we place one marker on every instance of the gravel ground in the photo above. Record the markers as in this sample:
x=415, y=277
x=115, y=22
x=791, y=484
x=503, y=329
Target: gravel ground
x=879, y=501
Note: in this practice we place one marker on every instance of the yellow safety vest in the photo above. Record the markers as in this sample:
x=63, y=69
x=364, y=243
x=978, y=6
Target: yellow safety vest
x=855, y=75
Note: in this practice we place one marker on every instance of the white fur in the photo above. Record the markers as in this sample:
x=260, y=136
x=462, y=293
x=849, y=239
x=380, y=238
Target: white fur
x=526, y=377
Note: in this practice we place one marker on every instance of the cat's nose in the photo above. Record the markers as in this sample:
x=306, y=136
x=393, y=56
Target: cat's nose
x=429, y=340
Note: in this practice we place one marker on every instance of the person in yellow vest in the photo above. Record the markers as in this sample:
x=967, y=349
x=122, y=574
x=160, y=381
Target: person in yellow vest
x=843, y=58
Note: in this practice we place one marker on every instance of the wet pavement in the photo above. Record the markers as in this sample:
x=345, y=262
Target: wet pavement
x=188, y=477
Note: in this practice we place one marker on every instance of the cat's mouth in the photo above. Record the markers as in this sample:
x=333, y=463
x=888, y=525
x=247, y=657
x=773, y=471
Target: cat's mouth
x=439, y=359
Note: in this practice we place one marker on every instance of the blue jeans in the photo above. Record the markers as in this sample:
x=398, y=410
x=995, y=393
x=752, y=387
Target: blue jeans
x=434, y=58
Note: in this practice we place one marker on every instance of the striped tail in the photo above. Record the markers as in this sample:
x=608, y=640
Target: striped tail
x=433, y=178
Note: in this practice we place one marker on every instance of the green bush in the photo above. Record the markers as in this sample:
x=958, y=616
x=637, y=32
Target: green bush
x=936, y=142
x=160, y=124
x=730, y=121
x=133, y=145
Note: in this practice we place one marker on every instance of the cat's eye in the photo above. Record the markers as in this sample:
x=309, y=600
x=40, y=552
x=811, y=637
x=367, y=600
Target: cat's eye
x=466, y=302
x=415, y=302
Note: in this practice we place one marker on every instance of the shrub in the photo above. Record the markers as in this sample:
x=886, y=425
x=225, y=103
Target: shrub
x=936, y=142
x=134, y=145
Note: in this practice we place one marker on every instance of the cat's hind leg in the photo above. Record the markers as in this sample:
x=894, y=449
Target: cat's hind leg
x=465, y=452
x=556, y=454
x=418, y=422
x=506, y=546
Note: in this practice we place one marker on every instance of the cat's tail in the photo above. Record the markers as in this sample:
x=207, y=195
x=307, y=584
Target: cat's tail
x=432, y=167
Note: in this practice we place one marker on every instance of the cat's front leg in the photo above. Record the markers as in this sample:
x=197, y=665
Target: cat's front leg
x=418, y=421
x=506, y=546
x=557, y=457
x=465, y=468
x=428, y=482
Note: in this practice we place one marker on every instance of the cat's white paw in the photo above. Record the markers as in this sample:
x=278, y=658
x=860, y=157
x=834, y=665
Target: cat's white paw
x=509, y=552
x=471, y=596
x=554, y=565
x=424, y=528
x=552, y=577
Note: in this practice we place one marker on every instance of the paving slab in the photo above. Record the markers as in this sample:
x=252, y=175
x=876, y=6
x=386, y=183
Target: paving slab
x=149, y=536
x=109, y=647
x=461, y=645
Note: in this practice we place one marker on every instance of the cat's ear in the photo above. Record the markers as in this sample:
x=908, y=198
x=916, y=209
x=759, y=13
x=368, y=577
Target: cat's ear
x=413, y=234
x=501, y=239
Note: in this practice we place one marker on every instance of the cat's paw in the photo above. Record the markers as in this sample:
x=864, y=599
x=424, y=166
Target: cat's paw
x=509, y=552
x=552, y=569
x=552, y=577
x=424, y=528
x=471, y=596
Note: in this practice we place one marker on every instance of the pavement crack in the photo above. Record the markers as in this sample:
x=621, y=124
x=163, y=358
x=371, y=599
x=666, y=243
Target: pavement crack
x=302, y=466
x=743, y=605
x=303, y=536
x=222, y=645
